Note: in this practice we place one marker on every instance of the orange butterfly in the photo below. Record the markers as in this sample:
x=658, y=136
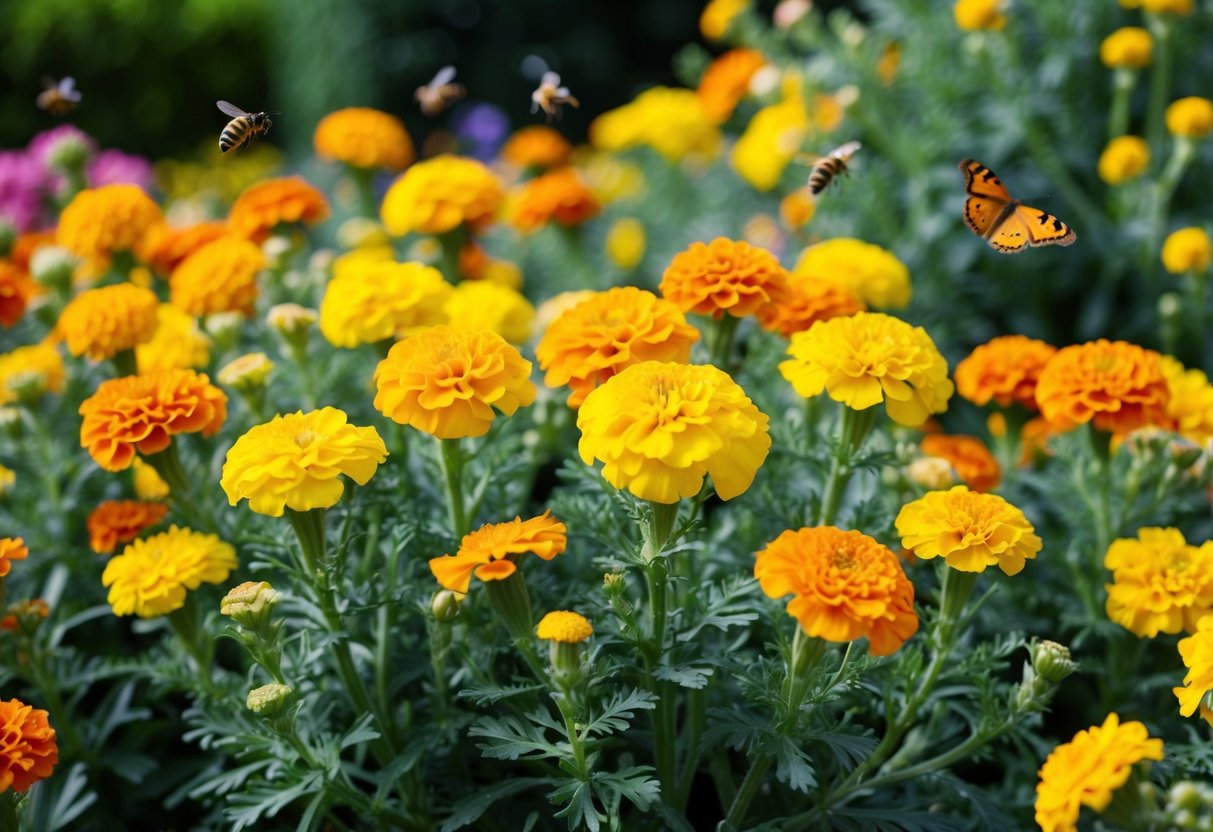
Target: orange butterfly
x=1003, y=222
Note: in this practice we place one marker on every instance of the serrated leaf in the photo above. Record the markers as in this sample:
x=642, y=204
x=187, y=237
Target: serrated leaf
x=484, y=696
x=687, y=677
x=849, y=749
x=619, y=712
x=510, y=738
x=472, y=807
x=578, y=800
x=793, y=766
x=633, y=784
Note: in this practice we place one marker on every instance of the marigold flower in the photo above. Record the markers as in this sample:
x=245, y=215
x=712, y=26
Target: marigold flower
x=931, y=472
x=101, y=221
x=264, y=206
x=11, y=549
x=797, y=208
x=483, y=304
x=1197, y=653
x=671, y=121
x=148, y=483
x=889, y=63
x=972, y=15
x=1125, y=158
x=177, y=343
x=220, y=276
x=625, y=243
x=151, y=576
x=26, y=613
x=1160, y=583
x=248, y=372
x=28, y=749
x=37, y=367
x=808, y=301
x=445, y=381
x=1190, y=404
x=371, y=300
x=291, y=319
x=143, y=412
x=440, y=194
x=1034, y=440
x=564, y=627
x=969, y=458
x=845, y=586
x=1088, y=769
x=1004, y=370
x=772, y=139
x=726, y=80
x=1187, y=250
x=1189, y=118
x=536, y=146
x=165, y=247
x=121, y=521
x=16, y=289
x=250, y=604
x=101, y=323
x=492, y=551
x=1115, y=385
x=867, y=271
x=560, y=196
x=659, y=428
x=8, y=478
x=1181, y=7
x=716, y=16
x=364, y=138
x=557, y=305
x=1129, y=47
x=724, y=276
x=969, y=530
x=296, y=461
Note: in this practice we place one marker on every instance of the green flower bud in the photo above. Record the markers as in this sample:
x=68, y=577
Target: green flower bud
x=250, y=604
x=444, y=605
x=1052, y=661
x=268, y=700
x=53, y=266
x=70, y=153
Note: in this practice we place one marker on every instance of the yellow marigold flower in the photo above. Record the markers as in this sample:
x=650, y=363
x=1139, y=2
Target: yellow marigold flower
x=797, y=208
x=611, y=178
x=165, y=247
x=142, y=413
x=625, y=243
x=1004, y=370
x=364, y=138
x=16, y=289
x=867, y=358
x=1197, y=653
x=291, y=318
x=492, y=552
x=659, y=428
x=101, y=323
x=440, y=194
x=968, y=456
x=557, y=305
x=247, y=372
x=297, y=460
x=1088, y=769
x=772, y=139
x=483, y=304
x=11, y=549
x=178, y=342
x=1190, y=405
x=148, y=484
x=28, y=748
x=867, y=271
x=1189, y=118
x=565, y=627
x=536, y=146
x=969, y=530
x=1125, y=158
x=101, y=221
x=1129, y=47
x=1187, y=250
x=371, y=300
x=8, y=478
x=845, y=586
x=724, y=276
x=445, y=381
x=559, y=196
x=608, y=331
x=151, y=576
x=37, y=368
x=808, y=301
x=671, y=121
x=972, y=15
x=717, y=15
x=121, y=521
x=264, y=206
x=726, y=81
x=1115, y=385
x=221, y=276
x=1160, y=583
x=1182, y=7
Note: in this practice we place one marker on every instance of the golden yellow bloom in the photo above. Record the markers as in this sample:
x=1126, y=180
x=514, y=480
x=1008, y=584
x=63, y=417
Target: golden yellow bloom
x=151, y=576
x=121, y=521
x=867, y=358
x=1129, y=47
x=1004, y=370
x=440, y=194
x=845, y=586
x=1189, y=118
x=797, y=208
x=889, y=63
x=445, y=381
x=808, y=301
x=1197, y=653
x=1182, y=7
x=8, y=478
x=1115, y=385
x=565, y=627
x=371, y=300
x=28, y=748
x=221, y=276
x=142, y=413
x=536, y=146
x=492, y=552
x=483, y=304
x=165, y=247
x=724, y=276
x=264, y=206
x=772, y=138
x=867, y=271
x=611, y=178
x=969, y=530
x=147, y=482
x=1160, y=583
x=716, y=16
x=178, y=342
x=37, y=368
x=972, y=15
x=671, y=121
x=1088, y=769
x=1125, y=158
x=296, y=461
x=660, y=428
x=1187, y=250
x=364, y=138
x=101, y=323
x=726, y=81
x=559, y=196
x=247, y=372
x=11, y=549
x=968, y=456
x=1190, y=404
x=16, y=289
x=101, y=221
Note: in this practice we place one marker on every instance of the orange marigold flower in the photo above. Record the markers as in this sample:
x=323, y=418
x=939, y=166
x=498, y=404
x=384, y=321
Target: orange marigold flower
x=31, y=371
x=440, y=194
x=536, y=146
x=1034, y=440
x=446, y=381
x=372, y=300
x=121, y=521
x=264, y=206
x=559, y=196
x=178, y=342
x=1004, y=370
x=16, y=289
x=28, y=750
x=1197, y=653
x=969, y=458
x=845, y=585
x=969, y=530
x=608, y=331
x=808, y=301
x=364, y=138
x=1160, y=583
x=726, y=80
x=724, y=276
x=11, y=549
x=492, y=552
x=1115, y=385
x=221, y=276
x=797, y=208
x=473, y=260
x=101, y=221
x=101, y=323
x=142, y=413
x=166, y=247
x=151, y=576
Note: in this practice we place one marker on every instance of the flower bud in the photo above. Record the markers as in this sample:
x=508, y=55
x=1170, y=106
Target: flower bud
x=250, y=604
x=268, y=700
x=10, y=421
x=445, y=603
x=225, y=328
x=1052, y=661
x=247, y=373
x=53, y=266
x=564, y=631
x=933, y=473
x=290, y=319
x=71, y=152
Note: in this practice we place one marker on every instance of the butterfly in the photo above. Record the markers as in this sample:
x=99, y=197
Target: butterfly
x=1005, y=223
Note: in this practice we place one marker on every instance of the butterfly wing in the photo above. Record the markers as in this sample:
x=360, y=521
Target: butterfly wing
x=1043, y=228
x=987, y=197
x=1010, y=235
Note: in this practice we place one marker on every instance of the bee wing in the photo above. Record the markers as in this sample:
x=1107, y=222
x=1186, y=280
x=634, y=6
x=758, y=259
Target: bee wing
x=443, y=76
x=550, y=79
x=846, y=151
x=230, y=109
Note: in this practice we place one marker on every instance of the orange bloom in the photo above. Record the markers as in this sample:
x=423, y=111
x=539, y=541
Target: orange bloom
x=559, y=196
x=15, y=291
x=797, y=208
x=28, y=750
x=266, y=205
x=26, y=244
x=537, y=146
x=121, y=521
x=969, y=458
x=11, y=549
x=724, y=276
x=1115, y=385
x=166, y=247
x=221, y=276
x=492, y=552
x=808, y=301
x=726, y=80
x=364, y=138
x=142, y=413
x=1005, y=370
x=101, y=323
x=1034, y=440
x=101, y=221
x=846, y=586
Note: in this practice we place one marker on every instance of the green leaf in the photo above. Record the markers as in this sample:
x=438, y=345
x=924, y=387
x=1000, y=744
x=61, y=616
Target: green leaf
x=633, y=784
x=580, y=810
x=471, y=808
x=793, y=766
x=484, y=696
x=849, y=749
x=687, y=677
x=619, y=712
x=510, y=738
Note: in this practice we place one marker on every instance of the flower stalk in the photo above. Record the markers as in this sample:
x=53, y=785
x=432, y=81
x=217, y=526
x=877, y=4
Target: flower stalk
x=853, y=429
x=453, y=462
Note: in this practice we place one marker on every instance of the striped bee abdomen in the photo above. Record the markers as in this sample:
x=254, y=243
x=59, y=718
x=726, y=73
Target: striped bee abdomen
x=235, y=134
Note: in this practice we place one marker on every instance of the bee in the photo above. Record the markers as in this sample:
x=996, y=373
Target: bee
x=60, y=97
x=831, y=165
x=440, y=93
x=243, y=127
x=550, y=96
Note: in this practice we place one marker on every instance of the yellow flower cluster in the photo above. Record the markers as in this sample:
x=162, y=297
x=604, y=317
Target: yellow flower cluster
x=1125, y=158
x=372, y=300
x=1187, y=250
x=1190, y=118
x=38, y=368
x=101, y=221
x=1130, y=47
x=440, y=194
x=1190, y=405
x=482, y=304
x=100, y=323
x=1178, y=7
x=973, y=15
x=969, y=530
x=717, y=15
x=220, y=276
x=150, y=577
x=565, y=627
x=772, y=139
x=177, y=342
x=1197, y=653
x=625, y=243
x=671, y=121
x=1160, y=583
x=867, y=271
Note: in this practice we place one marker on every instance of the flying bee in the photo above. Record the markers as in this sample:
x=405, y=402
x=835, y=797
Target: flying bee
x=550, y=96
x=60, y=97
x=440, y=93
x=833, y=164
x=243, y=127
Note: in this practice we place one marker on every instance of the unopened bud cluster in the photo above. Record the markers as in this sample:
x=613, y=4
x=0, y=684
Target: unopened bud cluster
x=1048, y=665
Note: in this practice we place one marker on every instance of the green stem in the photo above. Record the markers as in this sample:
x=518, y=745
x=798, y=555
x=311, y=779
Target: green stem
x=184, y=623
x=440, y=642
x=661, y=521
x=451, y=242
x=452, y=466
x=1160, y=77
x=1164, y=190
x=1101, y=475
x=745, y=794
x=363, y=178
x=8, y=812
x=168, y=465
x=853, y=429
x=565, y=704
x=722, y=331
x=1123, y=81
x=125, y=363
x=695, y=716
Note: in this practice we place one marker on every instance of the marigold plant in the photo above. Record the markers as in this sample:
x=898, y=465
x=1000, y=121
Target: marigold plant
x=16, y=289
x=560, y=196
x=1130, y=47
x=867, y=271
x=1190, y=402
x=536, y=146
x=726, y=80
x=1187, y=250
x=102, y=221
x=1003, y=370
x=372, y=300
x=724, y=276
x=1160, y=583
x=671, y=121
x=121, y=521
x=29, y=749
x=1124, y=158
x=151, y=576
x=273, y=202
x=1190, y=118
x=1114, y=385
x=1197, y=653
x=772, y=138
x=220, y=276
x=969, y=458
x=37, y=365
x=491, y=553
x=969, y=530
x=363, y=137
x=177, y=342
x=165, y=246
x=440, y=194
x=482, y=304
x=11, y=549
x=564, y=627
x=100, y=323
x=974, y=15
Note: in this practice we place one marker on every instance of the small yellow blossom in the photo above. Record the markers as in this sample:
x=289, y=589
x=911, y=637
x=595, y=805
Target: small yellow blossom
x=1125, y=158
x=1187, y=250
